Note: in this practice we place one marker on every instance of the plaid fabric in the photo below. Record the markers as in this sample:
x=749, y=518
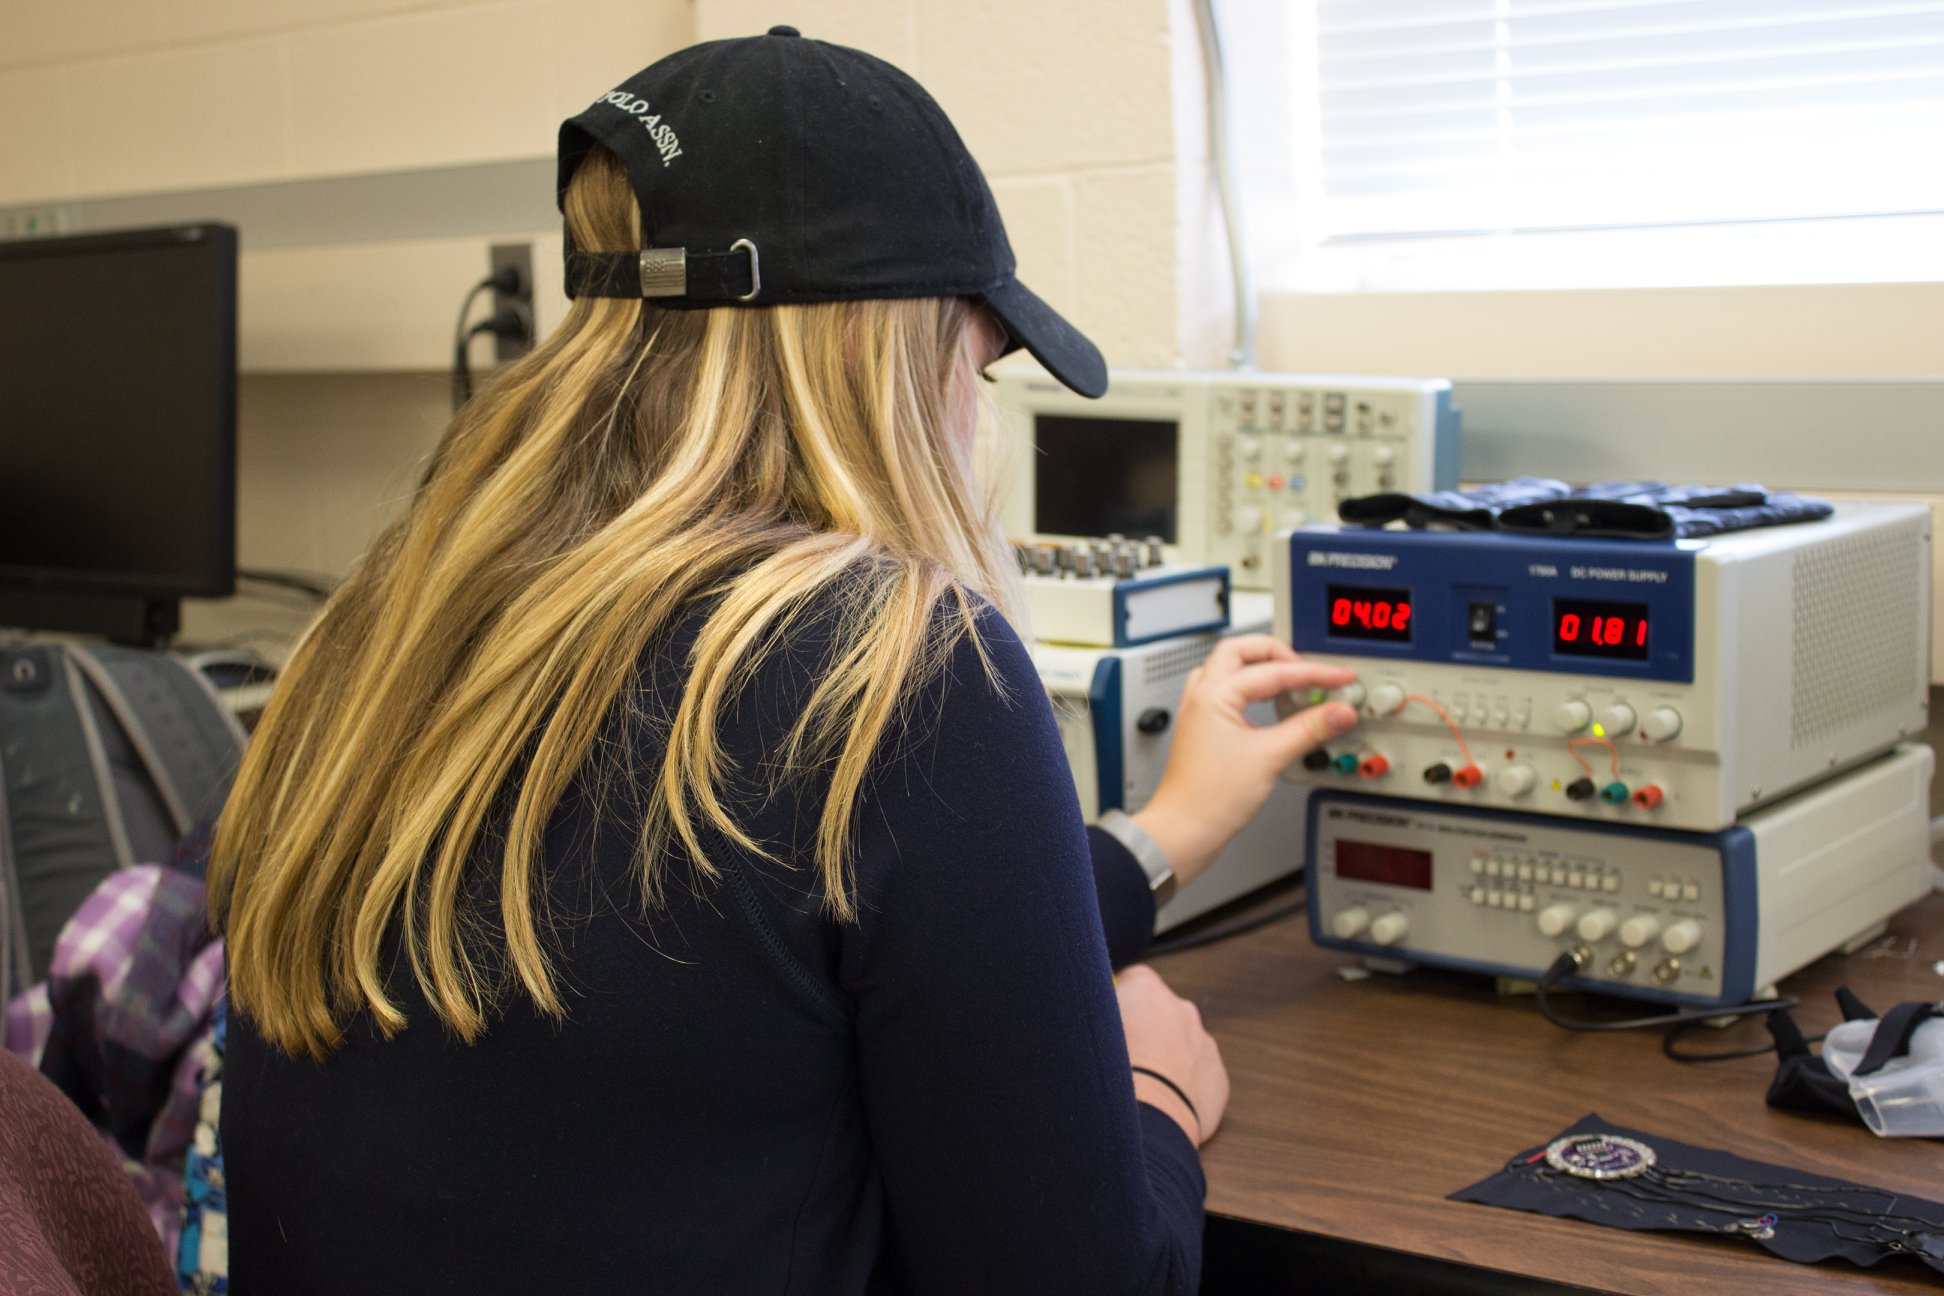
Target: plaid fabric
x=122, y=1023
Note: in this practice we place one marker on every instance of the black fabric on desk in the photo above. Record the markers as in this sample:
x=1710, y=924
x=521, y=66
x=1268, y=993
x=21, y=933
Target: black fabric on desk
x=745, y=1096
x=1527, y=1183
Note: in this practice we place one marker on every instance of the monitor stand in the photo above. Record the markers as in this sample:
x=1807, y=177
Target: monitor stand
x=132, y=619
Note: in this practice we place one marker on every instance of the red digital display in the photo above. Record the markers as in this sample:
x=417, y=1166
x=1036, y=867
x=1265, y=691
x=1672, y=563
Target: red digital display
x=1391, y=865
x=1584, y=628
x=1360, y=613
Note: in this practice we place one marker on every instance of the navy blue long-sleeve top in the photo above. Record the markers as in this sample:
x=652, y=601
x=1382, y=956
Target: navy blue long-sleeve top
x=748, y=1097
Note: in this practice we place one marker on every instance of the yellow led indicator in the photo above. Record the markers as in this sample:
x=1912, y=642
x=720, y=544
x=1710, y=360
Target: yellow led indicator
x=1599, y=731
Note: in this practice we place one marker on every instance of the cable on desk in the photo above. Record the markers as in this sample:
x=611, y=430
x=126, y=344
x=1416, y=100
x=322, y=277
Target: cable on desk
x=1680, y=1029
x=1193, y=940
x=1571, y=961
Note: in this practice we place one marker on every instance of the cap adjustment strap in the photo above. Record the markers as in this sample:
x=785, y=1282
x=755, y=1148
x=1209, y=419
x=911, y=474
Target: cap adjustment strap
x=734, y=275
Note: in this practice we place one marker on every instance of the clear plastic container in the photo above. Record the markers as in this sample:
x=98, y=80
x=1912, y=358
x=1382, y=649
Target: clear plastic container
x=1905, y=1097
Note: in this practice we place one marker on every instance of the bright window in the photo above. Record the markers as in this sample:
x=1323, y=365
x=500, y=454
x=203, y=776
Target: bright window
x=1424, y=144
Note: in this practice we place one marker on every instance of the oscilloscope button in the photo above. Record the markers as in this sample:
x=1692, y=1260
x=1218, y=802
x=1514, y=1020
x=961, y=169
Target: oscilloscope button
x=1661, y=724
x=1596, y=925
x=1681, y=937
x=1390, y=928
x=1515, y=780
x=1386, y=699
x=1638, y=930
x=1350, y=923
x=1571, y=716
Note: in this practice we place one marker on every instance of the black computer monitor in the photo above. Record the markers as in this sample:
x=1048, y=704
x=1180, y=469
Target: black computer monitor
x=117, y=428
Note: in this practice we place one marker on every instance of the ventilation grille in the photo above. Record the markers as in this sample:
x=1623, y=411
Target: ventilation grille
x=1177, y=662
x=1855, y=620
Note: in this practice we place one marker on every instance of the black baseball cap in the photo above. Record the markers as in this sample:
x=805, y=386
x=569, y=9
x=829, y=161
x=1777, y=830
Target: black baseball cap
x=778, y=169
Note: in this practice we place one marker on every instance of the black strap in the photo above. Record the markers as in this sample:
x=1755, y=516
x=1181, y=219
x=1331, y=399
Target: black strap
x=1179, y=1092
x=1891, y=1039
x=712, y=276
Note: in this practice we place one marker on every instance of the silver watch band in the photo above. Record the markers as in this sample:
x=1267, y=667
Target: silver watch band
x=1146, y=852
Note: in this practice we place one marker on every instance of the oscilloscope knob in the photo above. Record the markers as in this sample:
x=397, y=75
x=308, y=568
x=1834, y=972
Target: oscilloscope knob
x=1661, y=724
x=1351, y=694
x=1248, y=520
x=1681, y=937
x=1390, y=929
x=1596, y=925
x=1386, y=699
x=1515, y=780
x=1617, y=719
x=1555, y=919
x=1638, y=930
x=1572, y=715
x=1349, y=924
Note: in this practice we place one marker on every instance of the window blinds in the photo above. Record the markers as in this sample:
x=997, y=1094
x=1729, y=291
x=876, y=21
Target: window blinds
x=1456, y=116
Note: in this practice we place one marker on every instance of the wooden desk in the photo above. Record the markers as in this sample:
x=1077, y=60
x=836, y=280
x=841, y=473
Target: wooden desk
x=1358, y=1105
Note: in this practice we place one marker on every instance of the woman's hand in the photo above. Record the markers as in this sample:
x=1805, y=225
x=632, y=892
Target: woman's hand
x=1165, y=1035
x=1222, y=767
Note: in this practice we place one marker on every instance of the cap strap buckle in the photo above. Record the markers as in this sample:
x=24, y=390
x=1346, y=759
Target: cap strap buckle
x=755, y=268
x=664, y=272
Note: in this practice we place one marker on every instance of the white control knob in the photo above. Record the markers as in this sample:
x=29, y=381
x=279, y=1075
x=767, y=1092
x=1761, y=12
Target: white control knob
x=1386, y=699
x=1617, y=719
x=1351, y=693
x=1555, y=919
x=1349, y=924
x=1248, y=520
x=1390, y=929
x=1638, y=930
x=1596, y=925
x=1250, y=447
x=1681, y=937
x=1515, y=780
x=1294, y=517
x=1382, y=455
x=1293, y=452
x=1339, y=453
x=1572, y=716
x=1661, y=724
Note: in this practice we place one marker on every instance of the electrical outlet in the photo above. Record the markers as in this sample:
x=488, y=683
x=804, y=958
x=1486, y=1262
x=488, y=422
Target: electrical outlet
x=520, y=257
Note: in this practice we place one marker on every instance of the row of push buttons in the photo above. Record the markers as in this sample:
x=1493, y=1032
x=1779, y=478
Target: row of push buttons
x=1558, y=873
x=1674, y=888
x=1522, y=901
x=1273, y=409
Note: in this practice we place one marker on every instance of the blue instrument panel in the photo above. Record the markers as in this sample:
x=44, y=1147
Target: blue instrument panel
x=1585, y=607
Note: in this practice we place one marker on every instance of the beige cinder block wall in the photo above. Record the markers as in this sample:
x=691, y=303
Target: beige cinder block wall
x=1085, y=114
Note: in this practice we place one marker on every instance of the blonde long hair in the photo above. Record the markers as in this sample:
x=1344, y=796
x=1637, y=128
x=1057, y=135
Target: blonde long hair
x=639, y=461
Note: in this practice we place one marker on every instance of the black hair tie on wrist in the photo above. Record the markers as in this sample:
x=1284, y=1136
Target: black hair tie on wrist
x=1178, y=1092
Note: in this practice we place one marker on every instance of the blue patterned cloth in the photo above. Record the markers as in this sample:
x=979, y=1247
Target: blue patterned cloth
x=1625, y=510
x=202, y=1256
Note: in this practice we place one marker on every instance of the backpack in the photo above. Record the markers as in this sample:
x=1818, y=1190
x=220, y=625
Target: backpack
x=108, y=757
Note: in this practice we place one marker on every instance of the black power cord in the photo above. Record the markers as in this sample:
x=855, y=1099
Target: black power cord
x=1240, y=926
x=1677, y=1023
x=506, y=281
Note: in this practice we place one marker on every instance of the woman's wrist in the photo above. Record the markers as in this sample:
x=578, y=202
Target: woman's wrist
x=1184, y=837
x=1168, y=1101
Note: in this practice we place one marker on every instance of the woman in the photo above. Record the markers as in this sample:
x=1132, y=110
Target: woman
x=658, y=869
